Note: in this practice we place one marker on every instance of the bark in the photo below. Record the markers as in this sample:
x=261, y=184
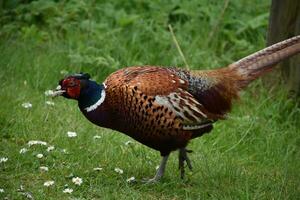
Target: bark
x=284, y=23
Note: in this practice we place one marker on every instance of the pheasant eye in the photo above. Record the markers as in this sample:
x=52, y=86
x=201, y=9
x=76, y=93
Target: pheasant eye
x=71, y=84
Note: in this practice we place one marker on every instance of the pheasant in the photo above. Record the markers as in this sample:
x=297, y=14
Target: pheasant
x=165, y=107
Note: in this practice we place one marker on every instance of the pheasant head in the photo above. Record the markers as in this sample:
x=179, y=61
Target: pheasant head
x=88, y=93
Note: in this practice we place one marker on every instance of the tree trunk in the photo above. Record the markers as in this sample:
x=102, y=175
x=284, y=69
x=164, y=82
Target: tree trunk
x=284, y=23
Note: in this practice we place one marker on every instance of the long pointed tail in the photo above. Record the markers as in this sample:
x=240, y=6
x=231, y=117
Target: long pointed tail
x=255, y=65
x=225, y=83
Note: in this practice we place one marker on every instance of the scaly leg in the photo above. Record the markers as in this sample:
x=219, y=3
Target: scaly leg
x=160, y=171
x=184, y=157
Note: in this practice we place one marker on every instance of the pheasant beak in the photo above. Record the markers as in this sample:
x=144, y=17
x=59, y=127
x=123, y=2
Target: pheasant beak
x=58, y=91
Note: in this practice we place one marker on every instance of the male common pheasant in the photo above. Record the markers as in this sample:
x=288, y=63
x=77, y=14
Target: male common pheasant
x=165, y=107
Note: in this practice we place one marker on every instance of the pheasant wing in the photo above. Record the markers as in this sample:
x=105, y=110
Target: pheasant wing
x=165, y=91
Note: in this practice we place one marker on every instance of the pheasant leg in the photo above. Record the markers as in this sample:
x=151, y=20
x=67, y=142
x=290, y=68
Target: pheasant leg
x=183, y=157
x=160, y=171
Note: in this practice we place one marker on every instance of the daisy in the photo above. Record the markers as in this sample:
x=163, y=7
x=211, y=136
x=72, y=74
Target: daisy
x=64, y=72
x=97, y=137
x=130, y=180
x=48, y=92
x=50, y=148
x=23, y=150
x=20, y=189
x=27, y=105
x=48, y=183
x=128, y=142
x=71, y=134
x=118, y=170
x=35, y=142
x=49, y=103
x=77, y=180
x=68, y=190
x=1, y=190
x=39, y=155
x=98, y=169
x=3, y=160
x=43, y=168
x=64, y=151
x=27, y=195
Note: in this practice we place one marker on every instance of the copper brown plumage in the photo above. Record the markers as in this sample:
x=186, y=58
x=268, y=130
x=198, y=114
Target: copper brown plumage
x=137, y=94
x=163, y=107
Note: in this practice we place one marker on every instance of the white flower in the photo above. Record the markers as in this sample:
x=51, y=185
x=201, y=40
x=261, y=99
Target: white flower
x=64, y=72
x=3, y=160
x=98, y=169
x=68, y=190
x=48, y=183
x=118, y=170
x=50, y=148
x=27, y=195
x=50, y=103
x=27, y=105
x=64, y=151
x=128, y=142
x=131, y=179
x=1, y=190
x=71, y=134
x=23, y=150
x=49, y=92
x=77, y=180
x=35, y=142
x=43, y=168
x=97, y=137
x=157, y=166
x=21, y=188
x=39, y=155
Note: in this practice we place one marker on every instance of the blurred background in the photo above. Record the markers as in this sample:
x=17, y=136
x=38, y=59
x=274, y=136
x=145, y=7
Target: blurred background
x=102, y=36
x=252, y=155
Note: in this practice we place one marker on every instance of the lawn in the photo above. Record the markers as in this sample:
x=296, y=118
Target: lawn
x=254, y=154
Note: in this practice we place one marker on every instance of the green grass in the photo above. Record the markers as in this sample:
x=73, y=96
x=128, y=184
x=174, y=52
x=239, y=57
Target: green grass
x=254, y=154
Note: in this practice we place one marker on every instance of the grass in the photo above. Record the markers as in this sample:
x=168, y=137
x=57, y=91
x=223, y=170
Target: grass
x=254, y=154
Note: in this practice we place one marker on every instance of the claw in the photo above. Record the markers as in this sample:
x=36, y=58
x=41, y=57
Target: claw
x=150, y=181
x=189, y=151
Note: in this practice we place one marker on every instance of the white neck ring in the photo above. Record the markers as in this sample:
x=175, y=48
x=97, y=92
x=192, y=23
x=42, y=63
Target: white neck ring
x=97, y=104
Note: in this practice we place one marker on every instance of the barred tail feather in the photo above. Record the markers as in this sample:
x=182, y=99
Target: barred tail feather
x=224, y=84
x=257, y=64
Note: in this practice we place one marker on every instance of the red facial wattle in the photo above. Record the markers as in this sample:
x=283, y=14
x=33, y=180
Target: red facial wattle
x=72, y=87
